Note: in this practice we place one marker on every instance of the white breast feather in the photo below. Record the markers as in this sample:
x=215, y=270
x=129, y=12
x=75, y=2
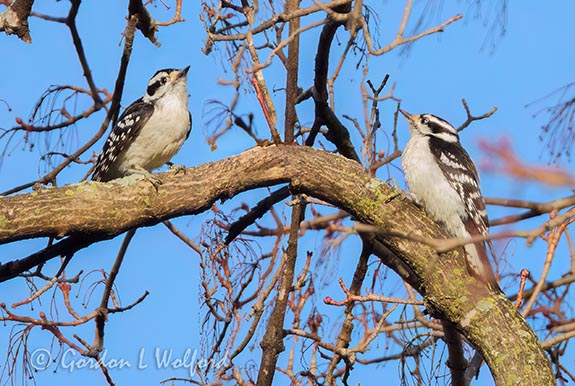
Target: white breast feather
x=431, y=189
x=163, y=136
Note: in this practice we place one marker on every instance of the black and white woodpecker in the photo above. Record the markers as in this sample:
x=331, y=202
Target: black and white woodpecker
x=444, y=180
x=150, y=131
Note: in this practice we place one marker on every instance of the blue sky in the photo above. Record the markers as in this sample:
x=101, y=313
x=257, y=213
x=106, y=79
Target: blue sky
x=533, y=59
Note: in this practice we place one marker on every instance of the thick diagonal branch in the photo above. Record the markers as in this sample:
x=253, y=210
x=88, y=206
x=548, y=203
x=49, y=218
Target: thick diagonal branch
x=488, y=320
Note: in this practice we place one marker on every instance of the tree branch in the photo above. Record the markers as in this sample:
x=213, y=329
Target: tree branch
x=488, y=320
x=272, y=341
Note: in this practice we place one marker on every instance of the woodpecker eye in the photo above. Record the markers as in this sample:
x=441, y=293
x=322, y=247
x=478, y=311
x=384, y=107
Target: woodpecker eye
x=424, y=120
x=153, y=87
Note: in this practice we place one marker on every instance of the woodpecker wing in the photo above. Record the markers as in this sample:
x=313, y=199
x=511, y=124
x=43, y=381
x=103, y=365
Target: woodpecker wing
x=127, y=128
x=460, y=172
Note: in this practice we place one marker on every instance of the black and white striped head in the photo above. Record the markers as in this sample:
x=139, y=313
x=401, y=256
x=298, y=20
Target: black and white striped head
x=431, y=126
x=169, y=80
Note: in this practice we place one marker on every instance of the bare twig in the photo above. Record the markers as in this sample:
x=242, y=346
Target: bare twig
x=399, y=38
x=552, y=241
x=176, y=18
x=471, y=118
x=183, y=237
x=524, y=275
x=352, y=298
x=536, y=208
x=102, y=312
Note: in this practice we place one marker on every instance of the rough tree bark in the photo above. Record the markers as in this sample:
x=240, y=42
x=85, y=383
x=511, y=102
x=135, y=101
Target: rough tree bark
x=14, y=19
x=487, y=319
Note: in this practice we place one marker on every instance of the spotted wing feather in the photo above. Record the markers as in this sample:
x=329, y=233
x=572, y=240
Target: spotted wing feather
x=460, y=171
x=123, y=133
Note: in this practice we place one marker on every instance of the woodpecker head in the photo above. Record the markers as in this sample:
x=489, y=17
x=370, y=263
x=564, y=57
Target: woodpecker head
x=428, y=125
x=166, y=81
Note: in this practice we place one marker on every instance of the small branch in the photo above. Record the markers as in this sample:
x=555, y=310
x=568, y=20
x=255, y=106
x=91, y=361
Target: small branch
x=524, y=275
x=183, y=237
x=344, y=336
x=439, y=245
x=258, y=311
x=71, y=23
x=262, y=92
x=552, y=223
x=284, y=43
x=471, y=118
x=272, y=341
x=322, y=222
x=48, y=285
x=559, y=121
x=129, y=307
x=399, y=38
x=547, y=286
x=70, y=119
x=43, y=322
x=102, y=311
x=177, y=16
x=473, y=369
x=282, y=17
x=374, y=124
x=536, y=208
x=547, y=344
x=552, y=242
x=292, y=69
x=456, y=362
x=256, y=212
x=47, y=325
x=337, y=133
x=352, y=298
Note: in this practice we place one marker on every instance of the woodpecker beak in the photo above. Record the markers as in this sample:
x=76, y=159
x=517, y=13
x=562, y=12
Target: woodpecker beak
x=406, y=115
x=181, y=74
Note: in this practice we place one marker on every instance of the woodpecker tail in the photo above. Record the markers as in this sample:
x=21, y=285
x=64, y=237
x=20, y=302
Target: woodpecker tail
x=478, y=263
